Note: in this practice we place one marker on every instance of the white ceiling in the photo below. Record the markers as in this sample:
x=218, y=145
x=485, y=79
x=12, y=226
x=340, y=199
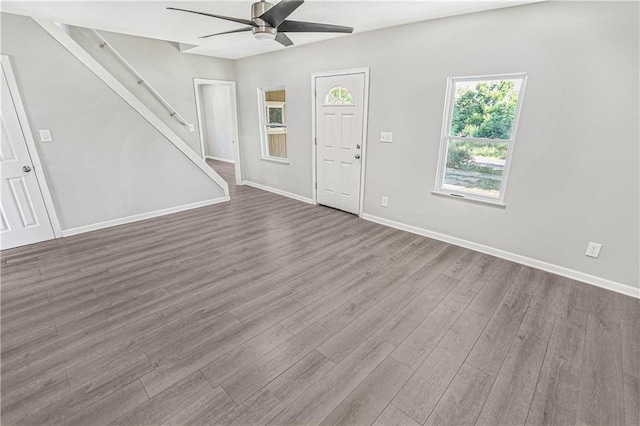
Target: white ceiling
x=151, y=19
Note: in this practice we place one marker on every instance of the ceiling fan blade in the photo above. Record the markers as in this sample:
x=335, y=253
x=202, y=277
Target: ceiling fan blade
x=229, y=32
x=312, y=27
x=283, y=40
x=227, y=18
x=278, y=13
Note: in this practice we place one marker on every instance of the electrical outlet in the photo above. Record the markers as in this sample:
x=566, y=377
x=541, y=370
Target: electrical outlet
x=385, y=201
x=386, y=137
x=45, y=136
x=593, y=250
x=192, y=128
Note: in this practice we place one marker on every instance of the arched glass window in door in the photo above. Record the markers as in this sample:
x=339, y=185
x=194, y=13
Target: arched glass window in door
x=338, y=96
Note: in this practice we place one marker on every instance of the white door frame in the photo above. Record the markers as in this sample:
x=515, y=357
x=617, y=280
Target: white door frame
x=365, y=119
x=31, y=146
x=197, y=82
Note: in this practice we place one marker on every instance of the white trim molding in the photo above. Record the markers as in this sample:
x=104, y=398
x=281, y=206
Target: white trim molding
x=276, y=160
x=278, y=192
x=94, y=66
x=224, y=160
x=31, y=146
x=138, y=217
x=527, y=261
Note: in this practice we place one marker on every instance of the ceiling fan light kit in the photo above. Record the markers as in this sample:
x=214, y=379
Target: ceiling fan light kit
x=269, y=22
x=264, y=33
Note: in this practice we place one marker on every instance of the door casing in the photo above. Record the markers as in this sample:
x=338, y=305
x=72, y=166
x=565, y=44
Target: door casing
x=197, y=82
x=365, y=119
x=31, y=146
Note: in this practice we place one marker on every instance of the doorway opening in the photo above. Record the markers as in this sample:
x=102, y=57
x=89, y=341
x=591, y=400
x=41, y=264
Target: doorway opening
x=218, y=127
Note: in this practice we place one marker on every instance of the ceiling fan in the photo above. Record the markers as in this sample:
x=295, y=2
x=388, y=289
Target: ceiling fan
x=269, y=22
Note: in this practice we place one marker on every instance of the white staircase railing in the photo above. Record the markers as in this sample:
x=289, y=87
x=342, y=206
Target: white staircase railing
x=140, y=80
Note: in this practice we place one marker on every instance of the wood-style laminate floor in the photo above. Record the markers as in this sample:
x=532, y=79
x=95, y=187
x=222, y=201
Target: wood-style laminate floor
x=265, y=310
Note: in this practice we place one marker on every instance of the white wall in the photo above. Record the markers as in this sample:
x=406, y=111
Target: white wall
x=106, y=162
x=217, y=121
x=574, y=175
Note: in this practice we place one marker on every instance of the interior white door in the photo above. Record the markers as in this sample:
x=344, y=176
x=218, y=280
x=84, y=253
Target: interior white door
x=23, y=214
x=339, y=128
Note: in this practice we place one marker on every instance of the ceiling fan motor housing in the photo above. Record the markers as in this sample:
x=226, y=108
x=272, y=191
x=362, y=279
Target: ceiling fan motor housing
x=263, y=31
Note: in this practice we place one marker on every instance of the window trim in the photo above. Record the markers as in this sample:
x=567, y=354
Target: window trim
x=264, y=125
x=445, y=137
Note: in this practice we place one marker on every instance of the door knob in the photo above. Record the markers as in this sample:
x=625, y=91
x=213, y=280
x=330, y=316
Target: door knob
x=26, y=169
x=357, y=156
x=358, y=146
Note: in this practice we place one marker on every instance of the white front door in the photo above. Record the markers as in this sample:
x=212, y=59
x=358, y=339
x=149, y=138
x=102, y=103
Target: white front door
x=23, y=214
x=339, y=128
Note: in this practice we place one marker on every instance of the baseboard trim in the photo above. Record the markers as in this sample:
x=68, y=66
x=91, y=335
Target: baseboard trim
x=527, y=261
x=138, y=217
x=226, y=160
x=278, y=191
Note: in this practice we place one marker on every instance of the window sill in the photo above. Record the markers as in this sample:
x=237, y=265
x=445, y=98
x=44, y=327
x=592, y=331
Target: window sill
x=276, y=160
x=496, y=204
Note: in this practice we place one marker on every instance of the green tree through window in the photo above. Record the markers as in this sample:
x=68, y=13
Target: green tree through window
x=338, y=96
x=275, y=115
x=485, y=111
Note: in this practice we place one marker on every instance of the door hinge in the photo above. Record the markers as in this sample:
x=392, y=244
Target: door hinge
x=316, y=185
x=316, y=141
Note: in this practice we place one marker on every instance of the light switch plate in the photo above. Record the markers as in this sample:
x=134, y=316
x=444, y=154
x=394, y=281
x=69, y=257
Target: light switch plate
x=593, y=250
x=45, y=136
x=386, y=137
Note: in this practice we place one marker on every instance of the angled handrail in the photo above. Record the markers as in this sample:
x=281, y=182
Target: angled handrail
x=140, y=80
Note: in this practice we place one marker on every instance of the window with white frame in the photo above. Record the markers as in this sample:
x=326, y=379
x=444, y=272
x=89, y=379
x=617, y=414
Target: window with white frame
x=273, y=123
x=479, y=130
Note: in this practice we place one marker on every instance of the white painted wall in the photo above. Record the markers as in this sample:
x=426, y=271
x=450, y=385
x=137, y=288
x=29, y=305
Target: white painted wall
x=574, y=175
x=106, y=162
x=217, y=121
